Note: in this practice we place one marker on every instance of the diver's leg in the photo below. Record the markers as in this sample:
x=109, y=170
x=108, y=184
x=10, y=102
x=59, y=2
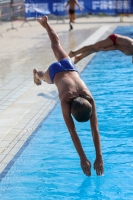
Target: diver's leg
x=40, y=76
x=36, y=76
x=70, y=22
x=73, y=17
x=55, y=42
x=81, y=56
x=98, y=46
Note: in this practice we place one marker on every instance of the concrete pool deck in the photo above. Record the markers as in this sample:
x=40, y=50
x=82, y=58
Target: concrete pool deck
x=23, y=105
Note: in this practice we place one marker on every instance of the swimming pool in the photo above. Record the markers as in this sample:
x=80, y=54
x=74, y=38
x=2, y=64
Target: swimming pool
x=49, y=169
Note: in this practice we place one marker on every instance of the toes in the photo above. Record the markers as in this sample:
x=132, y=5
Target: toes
x=35, y=71
x=71, y=54
x=42, y=20
x=37, y=81
x=39, y=20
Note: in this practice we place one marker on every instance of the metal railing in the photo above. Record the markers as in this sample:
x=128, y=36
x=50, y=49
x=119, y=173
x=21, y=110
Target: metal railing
x=10, y=11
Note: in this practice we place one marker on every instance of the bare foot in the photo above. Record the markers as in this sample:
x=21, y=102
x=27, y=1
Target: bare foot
x=76, y=59
x=43, y=20
x=71, y=54
x=37, y=81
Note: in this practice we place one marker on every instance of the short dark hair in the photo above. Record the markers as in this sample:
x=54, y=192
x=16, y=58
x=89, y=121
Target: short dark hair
x=81, y=109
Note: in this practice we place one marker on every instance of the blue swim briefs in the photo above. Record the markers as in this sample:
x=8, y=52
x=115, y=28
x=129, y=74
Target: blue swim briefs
x=63, y=65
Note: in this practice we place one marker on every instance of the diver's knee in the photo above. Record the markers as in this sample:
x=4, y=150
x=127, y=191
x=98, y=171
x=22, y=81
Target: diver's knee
x=55, y=44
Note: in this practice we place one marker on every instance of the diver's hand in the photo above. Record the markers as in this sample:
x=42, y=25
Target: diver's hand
x=86, y=166
x=67, y=11
x=98, y=166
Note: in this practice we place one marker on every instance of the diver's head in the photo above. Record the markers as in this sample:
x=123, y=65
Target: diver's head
x=81, y=109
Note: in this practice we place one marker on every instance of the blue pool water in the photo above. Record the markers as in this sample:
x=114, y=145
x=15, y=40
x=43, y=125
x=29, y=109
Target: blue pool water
x=49, y=167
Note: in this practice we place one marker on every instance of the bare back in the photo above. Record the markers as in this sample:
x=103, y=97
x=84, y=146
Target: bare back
x=125, y=41
x=70, y=85
x=124, y=44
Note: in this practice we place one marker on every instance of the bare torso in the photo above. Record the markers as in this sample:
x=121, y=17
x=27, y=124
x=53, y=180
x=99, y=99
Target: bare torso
x=72, y=4
x=125, y=44
x=70, y=85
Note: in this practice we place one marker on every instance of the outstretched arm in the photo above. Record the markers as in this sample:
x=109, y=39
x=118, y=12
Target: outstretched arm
x=85, y=163
x=77, y=3
x=98, y=164
x=66, y=7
